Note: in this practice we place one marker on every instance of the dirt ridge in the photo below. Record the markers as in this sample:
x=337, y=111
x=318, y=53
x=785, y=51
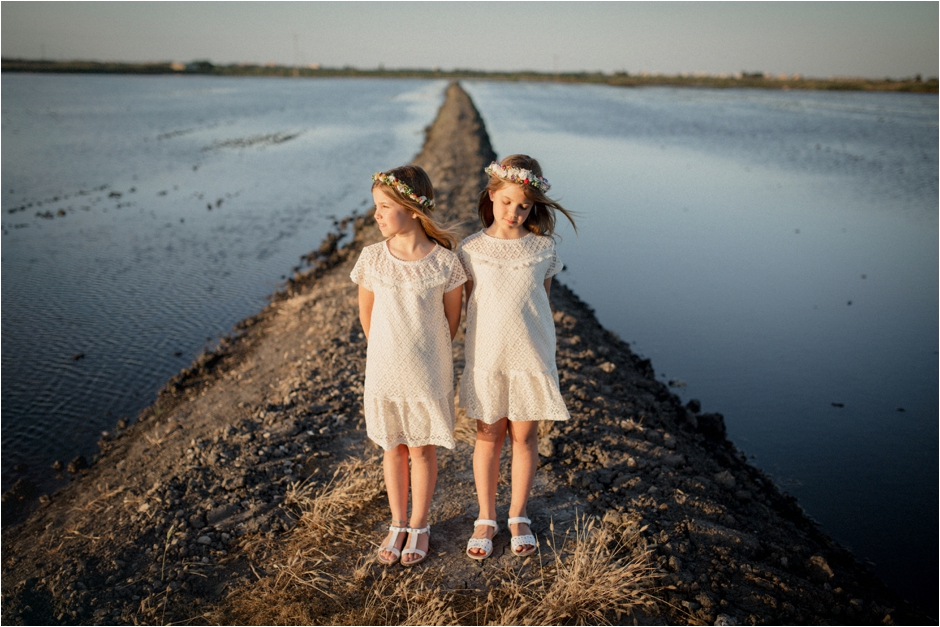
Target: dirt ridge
x=189, y=507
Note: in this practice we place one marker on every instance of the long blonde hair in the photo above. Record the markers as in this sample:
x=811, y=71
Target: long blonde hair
x=418, y=180
x=541, y=220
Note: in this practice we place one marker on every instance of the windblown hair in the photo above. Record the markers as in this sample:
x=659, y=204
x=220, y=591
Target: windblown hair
x=418, y=180
x=541, y=220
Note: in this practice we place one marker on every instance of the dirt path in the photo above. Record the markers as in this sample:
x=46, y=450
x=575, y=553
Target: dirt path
x=249, y=493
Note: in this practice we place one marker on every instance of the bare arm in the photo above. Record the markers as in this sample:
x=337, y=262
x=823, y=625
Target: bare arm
x=468, y=289
x=452, y=309
x=366, y=300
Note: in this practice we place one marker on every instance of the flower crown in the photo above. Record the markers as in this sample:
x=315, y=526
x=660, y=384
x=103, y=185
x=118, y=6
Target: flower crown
x=518, y=175
x=407, y=192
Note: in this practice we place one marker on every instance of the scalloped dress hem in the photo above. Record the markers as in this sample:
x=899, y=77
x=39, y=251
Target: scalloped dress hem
x=413, y=422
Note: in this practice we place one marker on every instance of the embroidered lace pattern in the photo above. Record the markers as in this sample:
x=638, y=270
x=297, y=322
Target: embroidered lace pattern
x=510, y=343
x=409, y=388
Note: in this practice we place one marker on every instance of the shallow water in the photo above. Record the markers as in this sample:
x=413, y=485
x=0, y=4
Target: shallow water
x=775, y=255
x=185, y=201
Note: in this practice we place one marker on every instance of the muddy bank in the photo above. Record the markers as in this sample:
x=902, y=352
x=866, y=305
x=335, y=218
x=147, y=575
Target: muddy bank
x=193, y=512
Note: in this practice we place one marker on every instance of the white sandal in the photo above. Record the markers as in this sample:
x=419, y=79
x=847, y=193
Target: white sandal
x=518, y=541
x=391, y=548
x=485, y=544
x=414, y=543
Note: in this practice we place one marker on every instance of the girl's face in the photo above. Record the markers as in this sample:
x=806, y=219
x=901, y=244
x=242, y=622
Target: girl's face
x=510, y=210
x=392, y=218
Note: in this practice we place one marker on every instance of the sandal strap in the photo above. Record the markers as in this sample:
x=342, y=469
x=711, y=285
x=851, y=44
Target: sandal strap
x=522, y=540
x=480, y=543
x=391, y=545
x=486, y=521
x=413, y=550
x=518, y=520
x=426, y=529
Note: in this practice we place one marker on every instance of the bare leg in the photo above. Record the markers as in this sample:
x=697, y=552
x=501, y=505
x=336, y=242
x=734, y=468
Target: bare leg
x=486, y=452
x=525, y=458
x=423, y=479
x=395, y=465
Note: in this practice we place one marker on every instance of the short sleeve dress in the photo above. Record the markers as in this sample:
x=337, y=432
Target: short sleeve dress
x=409, y=388
x=510, y=345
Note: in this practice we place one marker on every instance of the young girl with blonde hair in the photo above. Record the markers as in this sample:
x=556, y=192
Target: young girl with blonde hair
x=409, y=307
x=510, y=381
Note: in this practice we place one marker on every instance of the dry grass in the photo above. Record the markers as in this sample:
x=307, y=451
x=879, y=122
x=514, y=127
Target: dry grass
x=307, y=584
x=102, y=501
x=324, y=573
x=412, y=598
x=324, y=511
x=323, y=515
x=598, y=572
x=265, y=603
x=465, y=429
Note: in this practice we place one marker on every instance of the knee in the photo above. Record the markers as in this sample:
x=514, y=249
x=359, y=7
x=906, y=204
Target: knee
x=423, y=454
x=524, y=434
x=397, y=454
x=491, y=435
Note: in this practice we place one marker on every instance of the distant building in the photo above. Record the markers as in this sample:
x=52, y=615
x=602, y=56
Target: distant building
x=176, y=66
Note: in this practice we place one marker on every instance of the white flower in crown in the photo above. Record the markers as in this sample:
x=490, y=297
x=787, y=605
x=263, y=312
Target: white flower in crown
x=404, y=190
x=518, y=175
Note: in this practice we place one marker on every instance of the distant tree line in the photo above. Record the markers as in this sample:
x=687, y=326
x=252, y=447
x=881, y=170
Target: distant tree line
x=621, y=78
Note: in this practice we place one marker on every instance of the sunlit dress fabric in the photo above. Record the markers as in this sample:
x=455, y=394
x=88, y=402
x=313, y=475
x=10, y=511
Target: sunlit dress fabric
x=510, y=344
x=408, y=396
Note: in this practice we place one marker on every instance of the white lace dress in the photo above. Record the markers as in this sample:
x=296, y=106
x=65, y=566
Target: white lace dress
x=510, y=346
x=409, y=389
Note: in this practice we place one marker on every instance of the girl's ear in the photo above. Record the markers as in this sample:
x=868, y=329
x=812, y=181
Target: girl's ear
x=490, y=192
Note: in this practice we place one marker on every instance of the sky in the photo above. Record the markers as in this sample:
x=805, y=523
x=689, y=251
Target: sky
x=815, y=39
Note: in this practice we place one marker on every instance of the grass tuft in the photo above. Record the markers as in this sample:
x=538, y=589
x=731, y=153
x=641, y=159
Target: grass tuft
x=322, y=516
x=409, y=598
x=596, y=573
